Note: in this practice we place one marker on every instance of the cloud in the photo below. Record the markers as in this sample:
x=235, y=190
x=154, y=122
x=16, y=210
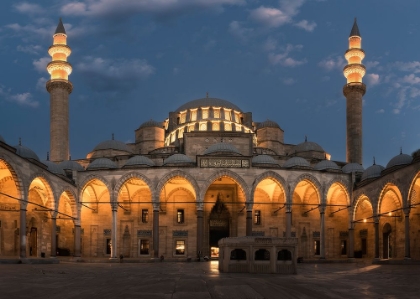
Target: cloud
x=306, y=25
x=284, y=59
x=411, y=79
x=108, y=75
x=211, y=43
x=413, y=66
x=157, y=8
x=289, y=81
x=30, y=49
x=22, y=99
x=270, y=44
x=371, y=64
x=29, y=8
x=372, y=79
x=270, y=17
x=380, y=111
x=31, y=31
x=332, y=63
x=41, y=64
x=240, y=32
x=40, y=84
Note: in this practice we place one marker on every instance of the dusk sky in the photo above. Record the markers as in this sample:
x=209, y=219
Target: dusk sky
x=136, y=60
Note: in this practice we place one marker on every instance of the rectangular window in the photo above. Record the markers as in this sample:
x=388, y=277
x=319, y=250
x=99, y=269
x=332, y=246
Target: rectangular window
x=144, y=246
x=228, y=127
x=257, y=217
x=237, y=118
x=317, y=247
x=183, y=117
x=216, y=112
x=238, y=128
x=180, y=247
x=180, y=216
x=343, y=247
x=144, y=215
x=205, y=113
x=203, y=126
x=193, y=115
x=228, y=116
x=216, y=126
x=364, y=246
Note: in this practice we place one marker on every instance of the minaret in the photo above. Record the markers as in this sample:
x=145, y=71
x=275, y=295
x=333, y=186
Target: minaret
x=59, y=88
x=354, y=91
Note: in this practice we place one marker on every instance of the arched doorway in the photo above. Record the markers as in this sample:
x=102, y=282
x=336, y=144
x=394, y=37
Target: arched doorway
x=386, y=234
x=219, y=223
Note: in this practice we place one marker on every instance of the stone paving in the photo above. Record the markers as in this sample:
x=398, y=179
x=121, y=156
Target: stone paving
x=203, y=280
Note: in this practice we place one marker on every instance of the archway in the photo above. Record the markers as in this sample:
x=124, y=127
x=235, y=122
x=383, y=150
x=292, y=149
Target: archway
x=65, y=224
x=386, y=237
x=96, y=219
x=363, y=228
x=225, y=213
x=306, y=218
x=414, y=204
x=135, y=215
x=337, y=221
x=9, y=211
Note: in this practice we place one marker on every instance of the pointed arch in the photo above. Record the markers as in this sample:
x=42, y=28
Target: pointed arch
x=273, y=176
x=312, y=180
x=133, y=175
x=342, y=184
x=51, y=202
x=16, y=174
x=173, y=174
x=413, y=197
x=227, y=173
x=359, y=204
x=90, y=178
x=72, y=200
x=390, y=186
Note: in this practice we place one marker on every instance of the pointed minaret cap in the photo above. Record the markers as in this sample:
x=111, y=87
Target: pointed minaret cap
x=60, y=28
x=355, y=29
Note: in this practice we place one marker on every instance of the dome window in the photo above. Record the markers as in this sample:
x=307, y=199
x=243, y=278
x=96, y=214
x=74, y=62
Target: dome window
x=228, y=127
x=191, y=128
x=228, y=116
x=237, y=118
x=205, y=113
x=238, y=128
x=216, y=112
x=203, y=126
x=193, y=114
x=181, y=132
x=216, y=126
x=183, y=117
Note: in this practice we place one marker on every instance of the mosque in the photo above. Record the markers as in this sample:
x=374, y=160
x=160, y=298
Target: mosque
x=207, y=172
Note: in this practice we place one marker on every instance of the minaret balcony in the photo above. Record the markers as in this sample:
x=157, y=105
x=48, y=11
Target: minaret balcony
x=59, y=49
x=354, y=68
x=59, y=65
x=354, y=53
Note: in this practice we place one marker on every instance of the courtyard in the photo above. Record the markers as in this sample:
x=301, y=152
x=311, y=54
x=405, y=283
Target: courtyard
x=203, y=280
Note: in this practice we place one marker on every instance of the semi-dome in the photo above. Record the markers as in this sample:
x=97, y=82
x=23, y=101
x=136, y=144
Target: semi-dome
x=102, y=163
x=268, y=124
x=139, y=161
x=373, y=171
x=71, y=165
x=208, y=102
x=308, y=146
x=150, y=124
x=353, y=167
x=222, y=147
x=401, y=159
x=178, y=159
x=2, y=139
x=26, y=152
x=53, y=167
x=327, y=165
x=113, y=144
x=265, y=160
x=296, y=162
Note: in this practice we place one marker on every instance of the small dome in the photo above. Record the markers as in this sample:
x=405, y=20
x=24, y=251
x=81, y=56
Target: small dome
x=54, y=168
x=2, y=139
x=352, y=167
x=373, y=171
x=26, y=152
x=327, y=165
x=222, y=147
x=401, y=159
x=308, y=146
x=178, y=159
x=113, y=144
x=150, y=124
x=264, y=160
x=102, y=163
x=296, y=162
x=139, y=161
x=268, y=124
x=71, y=165
x=208, y=102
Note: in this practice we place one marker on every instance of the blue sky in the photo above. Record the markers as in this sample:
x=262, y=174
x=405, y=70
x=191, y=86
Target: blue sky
x=280, y=60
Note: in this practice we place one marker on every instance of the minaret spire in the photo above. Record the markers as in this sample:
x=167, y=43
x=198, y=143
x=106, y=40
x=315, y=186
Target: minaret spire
x=354, y=91
x=59, y=88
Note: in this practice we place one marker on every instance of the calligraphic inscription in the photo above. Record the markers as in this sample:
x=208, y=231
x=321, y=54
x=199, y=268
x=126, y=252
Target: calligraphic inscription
x=263, y=240
x=9, y=207
x=107, y=232
x=363, y=233
x=258, y=233
x=219, y=223
x=180, y=233
x=58, y=229
x=316, y=234
x=144, y=233
x=344, y=234
x=224, y=163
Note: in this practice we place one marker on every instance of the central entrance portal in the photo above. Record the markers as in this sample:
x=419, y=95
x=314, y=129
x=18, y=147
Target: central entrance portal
x=219, y=226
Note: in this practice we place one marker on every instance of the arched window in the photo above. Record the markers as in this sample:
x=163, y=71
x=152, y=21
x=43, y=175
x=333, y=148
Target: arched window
x=262, y=255
x=238, y=255
x=284, y=255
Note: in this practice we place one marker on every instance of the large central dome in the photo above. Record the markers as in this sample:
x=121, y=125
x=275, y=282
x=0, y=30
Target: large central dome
x=208, y=102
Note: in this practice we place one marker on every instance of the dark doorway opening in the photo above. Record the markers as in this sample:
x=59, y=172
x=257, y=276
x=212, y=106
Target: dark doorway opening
x=219, y=224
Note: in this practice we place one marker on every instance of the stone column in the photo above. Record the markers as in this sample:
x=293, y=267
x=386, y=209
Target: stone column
x=114, y=244
x=376, y=225
x=407, y=234
x=22, y=233
x=350, y=254
x=249, y=222
x=53, y=236
x=200, y=232
x=155, y=232
x=77, y=245
x=322, y=233
x=288, y=222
